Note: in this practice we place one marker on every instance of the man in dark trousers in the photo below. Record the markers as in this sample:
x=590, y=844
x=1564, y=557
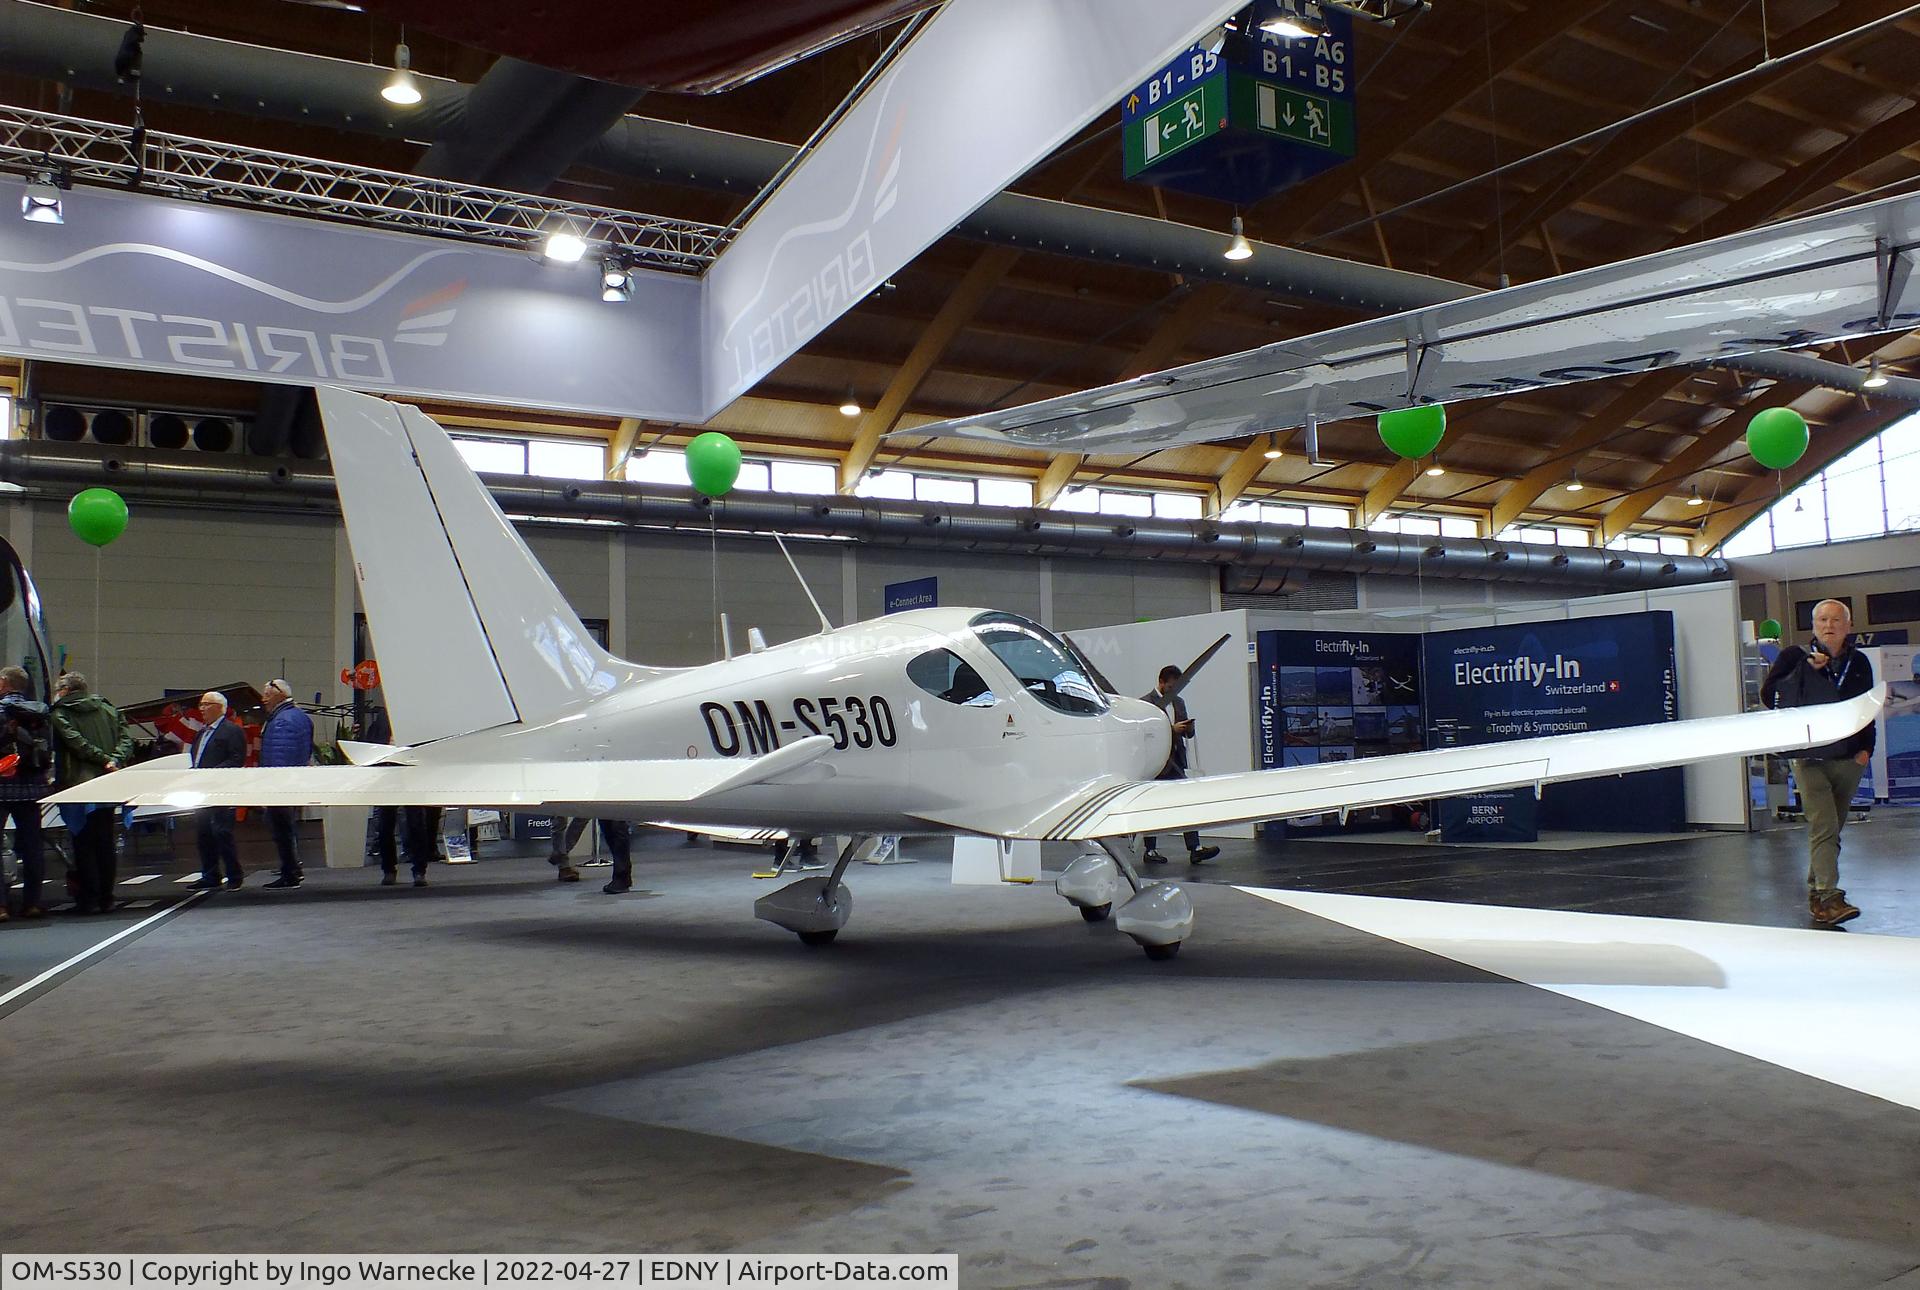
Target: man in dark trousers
x=619, y=838
x=220, y=743
x=286, y=740
x=93, y=741
x=1176, y=768
x=26, y=737
x=1828, y=670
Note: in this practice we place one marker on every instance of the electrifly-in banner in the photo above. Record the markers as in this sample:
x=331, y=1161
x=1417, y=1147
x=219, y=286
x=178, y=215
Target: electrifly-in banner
x=1489, y=684
x=1336, y=696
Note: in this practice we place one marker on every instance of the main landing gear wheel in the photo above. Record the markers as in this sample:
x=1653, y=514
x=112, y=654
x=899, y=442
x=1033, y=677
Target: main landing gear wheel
x=1096, y=913
x=1161, y=953
x=826, y=937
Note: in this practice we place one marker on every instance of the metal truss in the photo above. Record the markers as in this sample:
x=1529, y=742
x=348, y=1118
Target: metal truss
x=74, y=150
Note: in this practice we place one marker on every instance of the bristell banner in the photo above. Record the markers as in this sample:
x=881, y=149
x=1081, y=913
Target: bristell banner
x=1336, y=696
x=1489, y=684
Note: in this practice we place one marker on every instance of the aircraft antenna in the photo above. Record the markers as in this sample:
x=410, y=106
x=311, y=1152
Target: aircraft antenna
x=826, y=625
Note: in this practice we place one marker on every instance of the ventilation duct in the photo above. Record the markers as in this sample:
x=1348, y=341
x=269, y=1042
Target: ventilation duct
x=1269, y=552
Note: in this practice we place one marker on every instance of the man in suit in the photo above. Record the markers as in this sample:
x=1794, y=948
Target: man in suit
x=220, y=743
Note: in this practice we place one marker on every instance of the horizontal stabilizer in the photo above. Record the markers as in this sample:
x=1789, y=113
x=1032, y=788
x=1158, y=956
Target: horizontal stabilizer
x=1118, y=808
x=614, y=788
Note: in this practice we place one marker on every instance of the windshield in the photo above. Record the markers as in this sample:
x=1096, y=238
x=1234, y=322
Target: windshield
x=1042, y=664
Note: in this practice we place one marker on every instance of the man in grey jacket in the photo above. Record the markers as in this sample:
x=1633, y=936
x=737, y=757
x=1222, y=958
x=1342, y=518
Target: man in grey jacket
x=1828, y=670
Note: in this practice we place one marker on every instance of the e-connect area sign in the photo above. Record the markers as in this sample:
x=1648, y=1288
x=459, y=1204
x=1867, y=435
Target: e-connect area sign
x=1250, y=117
x=1489, y=684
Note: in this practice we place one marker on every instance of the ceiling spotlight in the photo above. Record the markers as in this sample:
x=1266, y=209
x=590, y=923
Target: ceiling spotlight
x=1436, y=470
x=850, y=408
x=1239, y=248
x=1291, y=26
x=400, y=89
x=1875, y=378
x=564, y=248
x=1694, y=498
x=1574, y=485
x=616, y=282
x=1273, y=448
x=40, y=203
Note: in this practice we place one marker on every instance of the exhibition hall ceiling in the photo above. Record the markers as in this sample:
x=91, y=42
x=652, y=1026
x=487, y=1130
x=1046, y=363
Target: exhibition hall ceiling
x=1447, y=103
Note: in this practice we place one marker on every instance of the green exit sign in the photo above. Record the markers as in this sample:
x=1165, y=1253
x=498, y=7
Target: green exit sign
x=1301, y=117
x=1175, y=124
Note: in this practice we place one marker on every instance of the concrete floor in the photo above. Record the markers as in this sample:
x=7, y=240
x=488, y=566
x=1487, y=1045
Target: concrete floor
x=499, y=1062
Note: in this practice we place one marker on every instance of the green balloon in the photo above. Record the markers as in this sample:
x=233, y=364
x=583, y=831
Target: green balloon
x=1777, y=437
x=1770, y=630
x=1414, y=432
x=713, y=463
x=97, y=515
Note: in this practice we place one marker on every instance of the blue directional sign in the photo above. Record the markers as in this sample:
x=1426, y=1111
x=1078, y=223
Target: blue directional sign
x=1261, y=112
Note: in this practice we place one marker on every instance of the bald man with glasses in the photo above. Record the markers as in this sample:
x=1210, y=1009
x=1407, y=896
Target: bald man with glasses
x=285, y=740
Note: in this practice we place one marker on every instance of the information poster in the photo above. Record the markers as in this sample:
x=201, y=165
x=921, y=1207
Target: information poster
x=1336, y=697
x=1896, y=762
x=1491, y=684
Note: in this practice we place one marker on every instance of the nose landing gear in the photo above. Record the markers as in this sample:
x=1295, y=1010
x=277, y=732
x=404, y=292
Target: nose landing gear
x=1158, y=916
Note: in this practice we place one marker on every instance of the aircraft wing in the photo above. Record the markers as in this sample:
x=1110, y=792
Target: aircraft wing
x=1821, y=278
x=1120, y=808
x=630, y=788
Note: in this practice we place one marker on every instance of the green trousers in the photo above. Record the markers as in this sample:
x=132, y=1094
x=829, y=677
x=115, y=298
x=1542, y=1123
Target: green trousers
x=1826, y=788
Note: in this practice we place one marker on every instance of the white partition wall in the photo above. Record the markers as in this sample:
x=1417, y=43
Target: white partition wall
x=1219, y=699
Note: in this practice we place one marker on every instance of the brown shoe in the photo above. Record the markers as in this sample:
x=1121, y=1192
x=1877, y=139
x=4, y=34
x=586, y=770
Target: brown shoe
x=1835, y=910
x=568, y=874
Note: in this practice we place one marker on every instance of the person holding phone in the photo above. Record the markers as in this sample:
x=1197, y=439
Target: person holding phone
x=1829, y=669
x=1168, y=701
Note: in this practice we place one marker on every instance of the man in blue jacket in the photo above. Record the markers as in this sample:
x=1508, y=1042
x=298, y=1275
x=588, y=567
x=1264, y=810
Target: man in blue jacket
x=286, y=740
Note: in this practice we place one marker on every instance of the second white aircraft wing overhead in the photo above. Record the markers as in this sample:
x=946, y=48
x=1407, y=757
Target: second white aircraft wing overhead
x=1821, y=278
x=1173, y=805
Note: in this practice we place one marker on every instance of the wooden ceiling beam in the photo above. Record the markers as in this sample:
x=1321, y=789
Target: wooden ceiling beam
x=1650, y=133
x=1835, y=442
x=1460, y=80
x=1690, y=461
x=1812, y=177
x=1618, y=413
x=1243, y=470
x=1169, y=339
x=927, y=349
x=620, y=447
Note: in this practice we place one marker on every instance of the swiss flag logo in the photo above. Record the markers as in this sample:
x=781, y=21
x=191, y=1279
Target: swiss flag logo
x=1613, y=687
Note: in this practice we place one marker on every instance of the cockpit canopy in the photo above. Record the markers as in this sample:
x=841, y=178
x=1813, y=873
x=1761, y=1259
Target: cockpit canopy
x=1045, y=666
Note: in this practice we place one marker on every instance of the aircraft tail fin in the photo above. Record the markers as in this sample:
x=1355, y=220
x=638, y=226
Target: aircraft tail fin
x=469, y=630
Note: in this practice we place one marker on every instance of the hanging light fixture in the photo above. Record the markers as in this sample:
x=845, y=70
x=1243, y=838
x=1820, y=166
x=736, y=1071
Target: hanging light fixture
x=1291, y=26
x=1239, y=248
x=1273, y=447
x=616, y=282
x=850, y=406
x=1435, y=469
x=1875, y=378
x=1574, y=485
x=400, y=89
x=1694, y=498
x=40, y=203
x=564, y=248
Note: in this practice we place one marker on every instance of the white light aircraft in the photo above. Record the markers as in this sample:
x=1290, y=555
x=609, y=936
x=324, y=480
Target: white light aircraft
x=960, y=721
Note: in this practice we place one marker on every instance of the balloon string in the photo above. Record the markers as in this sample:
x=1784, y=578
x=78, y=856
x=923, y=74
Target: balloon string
x=95, y=663
x=713, y=546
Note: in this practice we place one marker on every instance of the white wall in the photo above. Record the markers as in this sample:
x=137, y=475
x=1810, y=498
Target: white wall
x=1219, y=698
